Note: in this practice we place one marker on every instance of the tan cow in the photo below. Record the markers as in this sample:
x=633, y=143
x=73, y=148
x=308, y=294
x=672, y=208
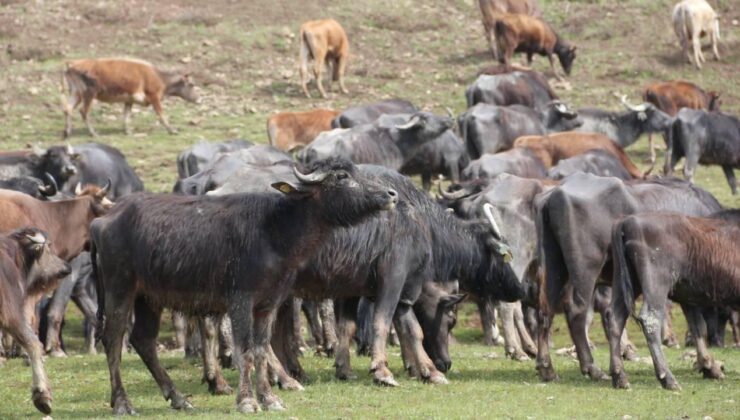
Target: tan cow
x=288, y=130
x=122, y=80
x=491, y=10
x=324, y=41
x=692, y=19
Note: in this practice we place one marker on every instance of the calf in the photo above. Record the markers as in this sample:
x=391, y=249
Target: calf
x=552, y=148
x=692, y=261
x=523, y=88
x=288, y=130
x=366, y=114
x=692, y=19
x=670, y=97
x=267, y=238
x=574, y=223
x=115, y=80
x=492, y=10
x=709, y=138
x=195, y=159
x=530, y=35
x=28, y=269
x=325, y=42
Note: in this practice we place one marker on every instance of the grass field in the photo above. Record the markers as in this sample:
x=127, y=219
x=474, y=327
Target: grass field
x=243, y=55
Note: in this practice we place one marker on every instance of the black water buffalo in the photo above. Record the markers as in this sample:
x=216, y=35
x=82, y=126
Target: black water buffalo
x=97, y=164
x=55, y=161
x=195, y=158
x=709, y=138
x=519, y=161
x=32, y=186
x=390, y=141
x=225, y=164
x=574, y=222
x=597, y=162
x=238, y=254
x=366, y=114
x=444, y=155
x=513, y=88
x=489, y=128
x=691, y=260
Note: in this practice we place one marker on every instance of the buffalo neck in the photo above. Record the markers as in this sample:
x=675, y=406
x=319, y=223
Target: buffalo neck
x=629, y=128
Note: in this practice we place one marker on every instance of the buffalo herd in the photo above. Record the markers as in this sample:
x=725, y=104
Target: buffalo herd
x=544, y=213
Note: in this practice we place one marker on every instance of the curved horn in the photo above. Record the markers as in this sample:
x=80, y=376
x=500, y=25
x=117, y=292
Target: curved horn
x=449, y=112
x=410, y=123
x=37, y=238
x=37, y=150
x=488, y=210
x=105, y=190
x=70, y=151
x=453, y=196
x=78, y=188
x=314, y=177
x=629, y=106
x=50, y=188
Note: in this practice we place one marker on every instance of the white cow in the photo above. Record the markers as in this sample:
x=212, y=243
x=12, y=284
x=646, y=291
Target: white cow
x=692, y=19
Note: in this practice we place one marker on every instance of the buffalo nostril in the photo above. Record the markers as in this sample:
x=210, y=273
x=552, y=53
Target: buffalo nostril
x=393, y=194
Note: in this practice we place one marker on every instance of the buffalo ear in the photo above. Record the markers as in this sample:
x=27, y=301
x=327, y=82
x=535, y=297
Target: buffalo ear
x=452, y=300
x=289, y=189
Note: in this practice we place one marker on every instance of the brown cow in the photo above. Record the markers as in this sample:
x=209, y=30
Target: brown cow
x=28, y=269
x=530, y=35
x=288, y=130
x=324, y=41
x=670, y=97
x=554, y=147
x=128, y=81
x=491, y=10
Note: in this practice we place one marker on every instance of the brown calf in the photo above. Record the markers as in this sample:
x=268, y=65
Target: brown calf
x=288, y=130
x=554, y=147
x=324, y=41
x=28, y=269
x=491, y=10
x=125, y=81
x=670, y=97
x=530, y=35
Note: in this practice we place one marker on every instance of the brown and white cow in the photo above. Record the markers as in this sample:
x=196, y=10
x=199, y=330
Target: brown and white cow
x=692, y=19
x=28, y=268
x=288, y=130
x=491, y=10
x=121, y=80
x=324, y=41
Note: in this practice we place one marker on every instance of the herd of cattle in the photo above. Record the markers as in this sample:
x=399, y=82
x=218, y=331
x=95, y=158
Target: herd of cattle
x=545, y=213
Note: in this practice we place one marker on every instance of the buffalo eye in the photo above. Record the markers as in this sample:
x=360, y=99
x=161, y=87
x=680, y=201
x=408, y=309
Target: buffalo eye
x=342, y=175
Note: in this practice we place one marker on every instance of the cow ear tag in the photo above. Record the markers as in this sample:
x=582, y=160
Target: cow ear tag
x=284, y=187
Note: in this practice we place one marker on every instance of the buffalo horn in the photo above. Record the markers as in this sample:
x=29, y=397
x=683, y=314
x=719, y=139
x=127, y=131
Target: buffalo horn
x=488, y=210
x=410, y=123
x=70, y=150
x=50, y=188
x=37, y=238
x=636, y=108
x=312, y=178
x=452, y=196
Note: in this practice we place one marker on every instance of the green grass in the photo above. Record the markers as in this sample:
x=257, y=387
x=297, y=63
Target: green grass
x=243, y=55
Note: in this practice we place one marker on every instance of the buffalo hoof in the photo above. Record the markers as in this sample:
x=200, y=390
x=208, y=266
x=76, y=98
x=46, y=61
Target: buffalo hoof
x=219, y=386
x=547, y=373
x=714, y=371
x=179, y=402
x=383, y=376
x=437, y=378
x=122, y=407
x=629, y=353
x=248, y=405
x=42, y=400
x=272, y=403
x=344, y=374
x=57, y=353
x=290, y=384
x=519, y=356
x=597, y=374
x=386, y=381
x=669, y=382
x=619, y=381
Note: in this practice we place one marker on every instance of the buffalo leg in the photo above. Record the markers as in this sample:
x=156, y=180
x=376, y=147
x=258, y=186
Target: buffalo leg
x=385, y=306
x=345, y=311
x=544, y=361
x=512, y=344
x=263, y=323
x=211, y=368
x=283, y=344
x=81, y=296
x=311, y=312
x=409, y=329
x=226, y=342
x=116, y=319
x=576, y=315
x=328, y=326
x=278, y=372
x=242, y=325
x=704, y=361
x=180, y=325
x=730, y=175
x=491, y=336
x=55, y=315
x=616, y=319
x=525, y=338
x=651, y=319
x=144, y=340
x=296, y=323
x=669, y=337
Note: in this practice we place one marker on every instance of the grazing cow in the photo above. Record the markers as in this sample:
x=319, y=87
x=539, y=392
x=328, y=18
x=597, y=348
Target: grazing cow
x=574, y=223
x=670, y=97
x=288, y=130
x=492, y=10
x=195, y=159
x=366, y=114
x=490, y=129
x=625, y=128
x=530, y=35
x=32, y=186
x=56, y=161
x=552, y=148
x=692, y=19
x=390, y=141
x=116, y=80
x=28, y=269
x=325, y=42
x=597, y=162
x=225, y=164
x=692, y=261
x=709, y=138
x=265, y=237
x=518, y=87
x=519, y=161
x=444, y=155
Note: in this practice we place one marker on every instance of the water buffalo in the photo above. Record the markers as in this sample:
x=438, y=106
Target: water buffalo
x=597, y=162
x=365, y=114
x=523, y=88
x=195, y=158
x=519, y=161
